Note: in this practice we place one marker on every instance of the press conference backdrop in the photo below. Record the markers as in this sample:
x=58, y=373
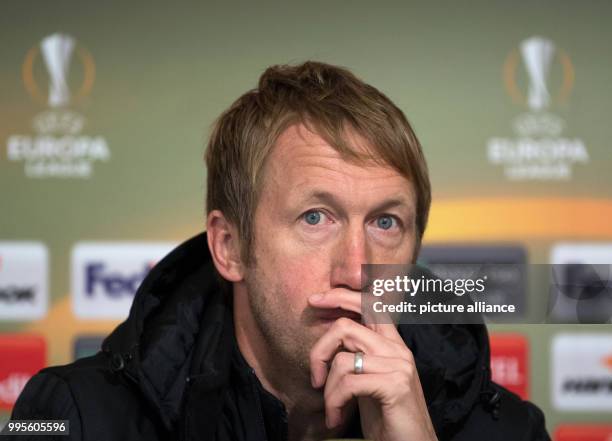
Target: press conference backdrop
x=105, y=109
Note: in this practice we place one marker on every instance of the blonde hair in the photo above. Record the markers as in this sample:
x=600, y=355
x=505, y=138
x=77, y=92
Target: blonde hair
x=328, y=100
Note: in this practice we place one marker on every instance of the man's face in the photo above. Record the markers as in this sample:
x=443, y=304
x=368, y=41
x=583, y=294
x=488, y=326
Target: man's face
x=319, y=218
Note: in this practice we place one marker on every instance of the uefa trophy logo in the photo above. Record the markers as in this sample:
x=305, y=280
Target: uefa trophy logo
x=58, y=148
x=538, y=75
x=57, y=51
x=62, y=57
x=537, y=55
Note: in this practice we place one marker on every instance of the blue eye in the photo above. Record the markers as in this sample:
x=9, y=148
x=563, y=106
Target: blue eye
x=312, y=217
x=385, y=222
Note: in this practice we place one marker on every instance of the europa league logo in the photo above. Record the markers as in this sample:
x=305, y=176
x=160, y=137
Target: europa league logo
x=539, y=56
x=58, y=73
x=57, y=50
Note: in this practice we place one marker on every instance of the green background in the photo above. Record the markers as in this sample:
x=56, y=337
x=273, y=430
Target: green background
x=166, y=70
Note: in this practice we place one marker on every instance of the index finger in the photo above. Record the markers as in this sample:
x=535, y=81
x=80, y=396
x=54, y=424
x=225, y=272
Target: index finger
x=352, y=301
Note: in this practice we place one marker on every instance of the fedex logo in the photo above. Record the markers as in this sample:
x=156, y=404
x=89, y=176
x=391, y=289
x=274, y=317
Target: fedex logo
x=106, y=275
x=23, y=280
x=115, y=284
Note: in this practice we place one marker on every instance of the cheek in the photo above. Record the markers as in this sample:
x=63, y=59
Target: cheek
x=298, y=266
x=403, y=254
x=304, y=276
x=291, y=274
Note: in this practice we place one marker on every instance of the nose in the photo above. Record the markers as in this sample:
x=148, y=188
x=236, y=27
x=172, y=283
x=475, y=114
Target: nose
x=350, y=253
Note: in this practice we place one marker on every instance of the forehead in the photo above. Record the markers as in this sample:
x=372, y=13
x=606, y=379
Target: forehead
x=302, y=160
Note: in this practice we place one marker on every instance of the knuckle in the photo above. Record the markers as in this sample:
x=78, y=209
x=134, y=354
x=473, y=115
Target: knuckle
x=401, y=378
x=343, y=324
x=405, y=353
x=347, y=382
x=336, y=362
x=408, y=372
x=341, y=359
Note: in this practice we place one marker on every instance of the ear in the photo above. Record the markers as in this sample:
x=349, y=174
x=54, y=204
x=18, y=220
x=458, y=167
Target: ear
x=224, y=246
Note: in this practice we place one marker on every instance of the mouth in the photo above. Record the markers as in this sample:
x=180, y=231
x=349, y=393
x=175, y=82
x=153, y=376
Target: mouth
x=331, y=315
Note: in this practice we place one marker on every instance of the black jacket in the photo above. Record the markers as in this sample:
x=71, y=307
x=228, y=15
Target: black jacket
x=172, y=371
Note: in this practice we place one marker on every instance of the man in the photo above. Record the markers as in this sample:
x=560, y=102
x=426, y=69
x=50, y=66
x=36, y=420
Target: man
x=252, y=330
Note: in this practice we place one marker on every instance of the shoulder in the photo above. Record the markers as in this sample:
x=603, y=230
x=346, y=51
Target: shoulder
x=505, y=417
x=98, y=403
x=49, y=395
x=72, y=383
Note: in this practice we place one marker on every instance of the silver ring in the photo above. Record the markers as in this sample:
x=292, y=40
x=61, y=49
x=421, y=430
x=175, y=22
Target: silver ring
x=359, y=362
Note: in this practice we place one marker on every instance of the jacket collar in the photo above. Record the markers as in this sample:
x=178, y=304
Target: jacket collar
x=176, y=329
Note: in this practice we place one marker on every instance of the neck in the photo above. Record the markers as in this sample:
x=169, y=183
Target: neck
x=305, y=406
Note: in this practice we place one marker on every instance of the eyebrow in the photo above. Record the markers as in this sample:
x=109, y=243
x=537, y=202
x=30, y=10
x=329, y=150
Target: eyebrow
x=329, y=199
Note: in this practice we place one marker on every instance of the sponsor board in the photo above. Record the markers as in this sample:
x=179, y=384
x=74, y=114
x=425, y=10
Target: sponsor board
x=583, y=432
x=85, y=346
x=106, y=275
x=58, y=73
x=506, y=262
x=582, y=372
x=582, y=288
x=538, y=150
x=581, y=252
x=23, y=280
x=22, y=356
x=510, y=362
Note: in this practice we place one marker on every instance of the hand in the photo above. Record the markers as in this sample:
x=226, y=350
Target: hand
x=391, y=403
